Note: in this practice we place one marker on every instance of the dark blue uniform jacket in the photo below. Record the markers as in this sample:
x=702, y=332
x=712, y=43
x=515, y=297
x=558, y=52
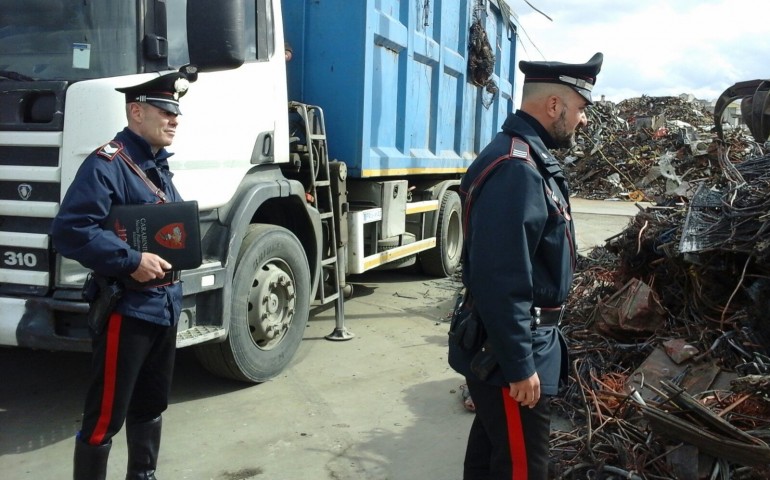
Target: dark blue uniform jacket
x=520, y=253
x=103, y=180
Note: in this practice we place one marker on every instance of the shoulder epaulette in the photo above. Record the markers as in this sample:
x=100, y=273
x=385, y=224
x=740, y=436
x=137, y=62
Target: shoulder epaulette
x=519, y=148
x=109, y=150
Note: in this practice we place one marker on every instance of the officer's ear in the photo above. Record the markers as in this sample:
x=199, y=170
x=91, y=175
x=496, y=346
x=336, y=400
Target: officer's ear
x=134, y=111
x=553, y=106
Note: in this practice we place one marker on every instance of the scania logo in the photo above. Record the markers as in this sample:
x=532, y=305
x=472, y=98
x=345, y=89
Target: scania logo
x=25, y=191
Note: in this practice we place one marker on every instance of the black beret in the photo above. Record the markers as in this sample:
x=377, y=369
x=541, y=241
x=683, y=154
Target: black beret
x=163, y=92
x=580, y=76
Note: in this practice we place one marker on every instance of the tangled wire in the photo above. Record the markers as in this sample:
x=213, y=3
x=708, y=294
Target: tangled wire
x=481, y=56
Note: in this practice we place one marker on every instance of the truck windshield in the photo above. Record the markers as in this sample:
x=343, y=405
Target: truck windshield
x=67, y=39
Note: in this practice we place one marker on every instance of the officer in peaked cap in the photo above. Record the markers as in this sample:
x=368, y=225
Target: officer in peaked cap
x=163, y=92
x=133, y=343
x=580, y=76
x=518, y=265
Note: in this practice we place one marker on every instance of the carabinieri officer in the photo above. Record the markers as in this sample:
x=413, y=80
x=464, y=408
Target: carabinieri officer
x=518, y=264
x=133, y=354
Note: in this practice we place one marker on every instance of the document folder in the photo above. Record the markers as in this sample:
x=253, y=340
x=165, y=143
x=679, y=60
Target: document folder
x=170, y=230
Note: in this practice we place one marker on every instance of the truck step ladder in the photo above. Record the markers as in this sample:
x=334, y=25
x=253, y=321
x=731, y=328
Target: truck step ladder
x=198, y=334
x=320, y=196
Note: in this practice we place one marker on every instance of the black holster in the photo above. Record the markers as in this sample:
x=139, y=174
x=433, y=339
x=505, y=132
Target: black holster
x=484, y=363
x=466, y=329
x=102, y=293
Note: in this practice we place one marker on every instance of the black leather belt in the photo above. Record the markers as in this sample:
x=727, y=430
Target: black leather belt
x=547, y=317
x=171, y=278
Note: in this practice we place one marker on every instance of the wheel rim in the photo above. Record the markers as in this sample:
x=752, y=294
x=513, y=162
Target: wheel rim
x=271, y=304
x=453, y=236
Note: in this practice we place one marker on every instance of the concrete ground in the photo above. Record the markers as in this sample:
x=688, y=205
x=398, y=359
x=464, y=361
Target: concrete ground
x=598, y=220
x=383, y=405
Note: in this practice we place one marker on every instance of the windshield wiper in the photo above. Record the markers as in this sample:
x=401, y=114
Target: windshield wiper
x=9, y=75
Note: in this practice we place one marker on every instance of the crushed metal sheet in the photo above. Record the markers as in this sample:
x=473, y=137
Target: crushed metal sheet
x=634, y=309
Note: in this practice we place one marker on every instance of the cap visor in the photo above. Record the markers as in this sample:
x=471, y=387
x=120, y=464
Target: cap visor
x=584, y=93
x=169, y=107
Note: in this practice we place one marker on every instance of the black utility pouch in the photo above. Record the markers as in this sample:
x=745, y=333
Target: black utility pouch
x=484, y=363
x=102, y=294
x=466, y=329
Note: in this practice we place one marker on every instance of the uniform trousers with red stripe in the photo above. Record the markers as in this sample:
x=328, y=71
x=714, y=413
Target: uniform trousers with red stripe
x=506, y=441
x=133, y=362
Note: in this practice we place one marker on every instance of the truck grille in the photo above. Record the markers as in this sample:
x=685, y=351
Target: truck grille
x=29, y=199
x=31, y=123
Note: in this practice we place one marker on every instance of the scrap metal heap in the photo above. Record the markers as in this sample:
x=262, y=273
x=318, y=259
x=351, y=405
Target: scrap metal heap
x=668, y=324
x=648, y=149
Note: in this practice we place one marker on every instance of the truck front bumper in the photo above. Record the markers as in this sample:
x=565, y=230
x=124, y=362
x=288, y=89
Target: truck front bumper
x=44, y=323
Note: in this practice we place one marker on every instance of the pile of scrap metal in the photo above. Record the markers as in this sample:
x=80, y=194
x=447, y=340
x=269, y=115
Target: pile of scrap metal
x=668, y=333
x=649, y=148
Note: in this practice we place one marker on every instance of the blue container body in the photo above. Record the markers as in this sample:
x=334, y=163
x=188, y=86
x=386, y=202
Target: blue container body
x=391, y=77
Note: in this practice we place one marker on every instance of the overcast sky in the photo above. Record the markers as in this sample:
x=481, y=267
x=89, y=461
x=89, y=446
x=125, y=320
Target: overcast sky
x=652, y=47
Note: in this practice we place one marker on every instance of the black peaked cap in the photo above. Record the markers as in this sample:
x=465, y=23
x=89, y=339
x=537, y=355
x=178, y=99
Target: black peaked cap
x=580, y=76
x=163, y=92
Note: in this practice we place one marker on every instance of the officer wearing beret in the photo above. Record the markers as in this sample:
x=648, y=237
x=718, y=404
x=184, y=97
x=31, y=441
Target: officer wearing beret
x=518, y=264
x=133, y=354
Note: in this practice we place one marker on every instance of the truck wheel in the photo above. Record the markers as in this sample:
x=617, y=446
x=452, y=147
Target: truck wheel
x=444, y=259
x=270, y=308
x=393, y=242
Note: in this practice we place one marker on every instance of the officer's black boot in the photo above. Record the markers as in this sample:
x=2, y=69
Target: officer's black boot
x=143, y=444
x=91, y=461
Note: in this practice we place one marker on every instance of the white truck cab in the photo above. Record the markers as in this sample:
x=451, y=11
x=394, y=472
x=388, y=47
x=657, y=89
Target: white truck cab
x=350, y=163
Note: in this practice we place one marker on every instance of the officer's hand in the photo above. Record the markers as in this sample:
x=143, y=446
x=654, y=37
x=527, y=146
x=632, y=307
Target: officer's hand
x=526, y=392
x=150, y=267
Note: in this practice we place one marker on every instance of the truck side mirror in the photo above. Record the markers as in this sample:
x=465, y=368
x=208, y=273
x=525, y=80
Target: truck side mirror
x=216, y=34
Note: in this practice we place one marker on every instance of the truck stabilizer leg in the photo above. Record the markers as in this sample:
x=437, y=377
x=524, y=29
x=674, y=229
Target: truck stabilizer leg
x=340, y=332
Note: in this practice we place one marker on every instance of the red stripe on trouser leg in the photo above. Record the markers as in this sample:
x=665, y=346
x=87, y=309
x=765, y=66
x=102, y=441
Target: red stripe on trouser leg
x=110, y=378
x=515, y=436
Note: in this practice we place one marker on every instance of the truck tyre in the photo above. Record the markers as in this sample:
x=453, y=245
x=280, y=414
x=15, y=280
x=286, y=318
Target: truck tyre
x=393, y=242
x=444, y=259
x=270, y=308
